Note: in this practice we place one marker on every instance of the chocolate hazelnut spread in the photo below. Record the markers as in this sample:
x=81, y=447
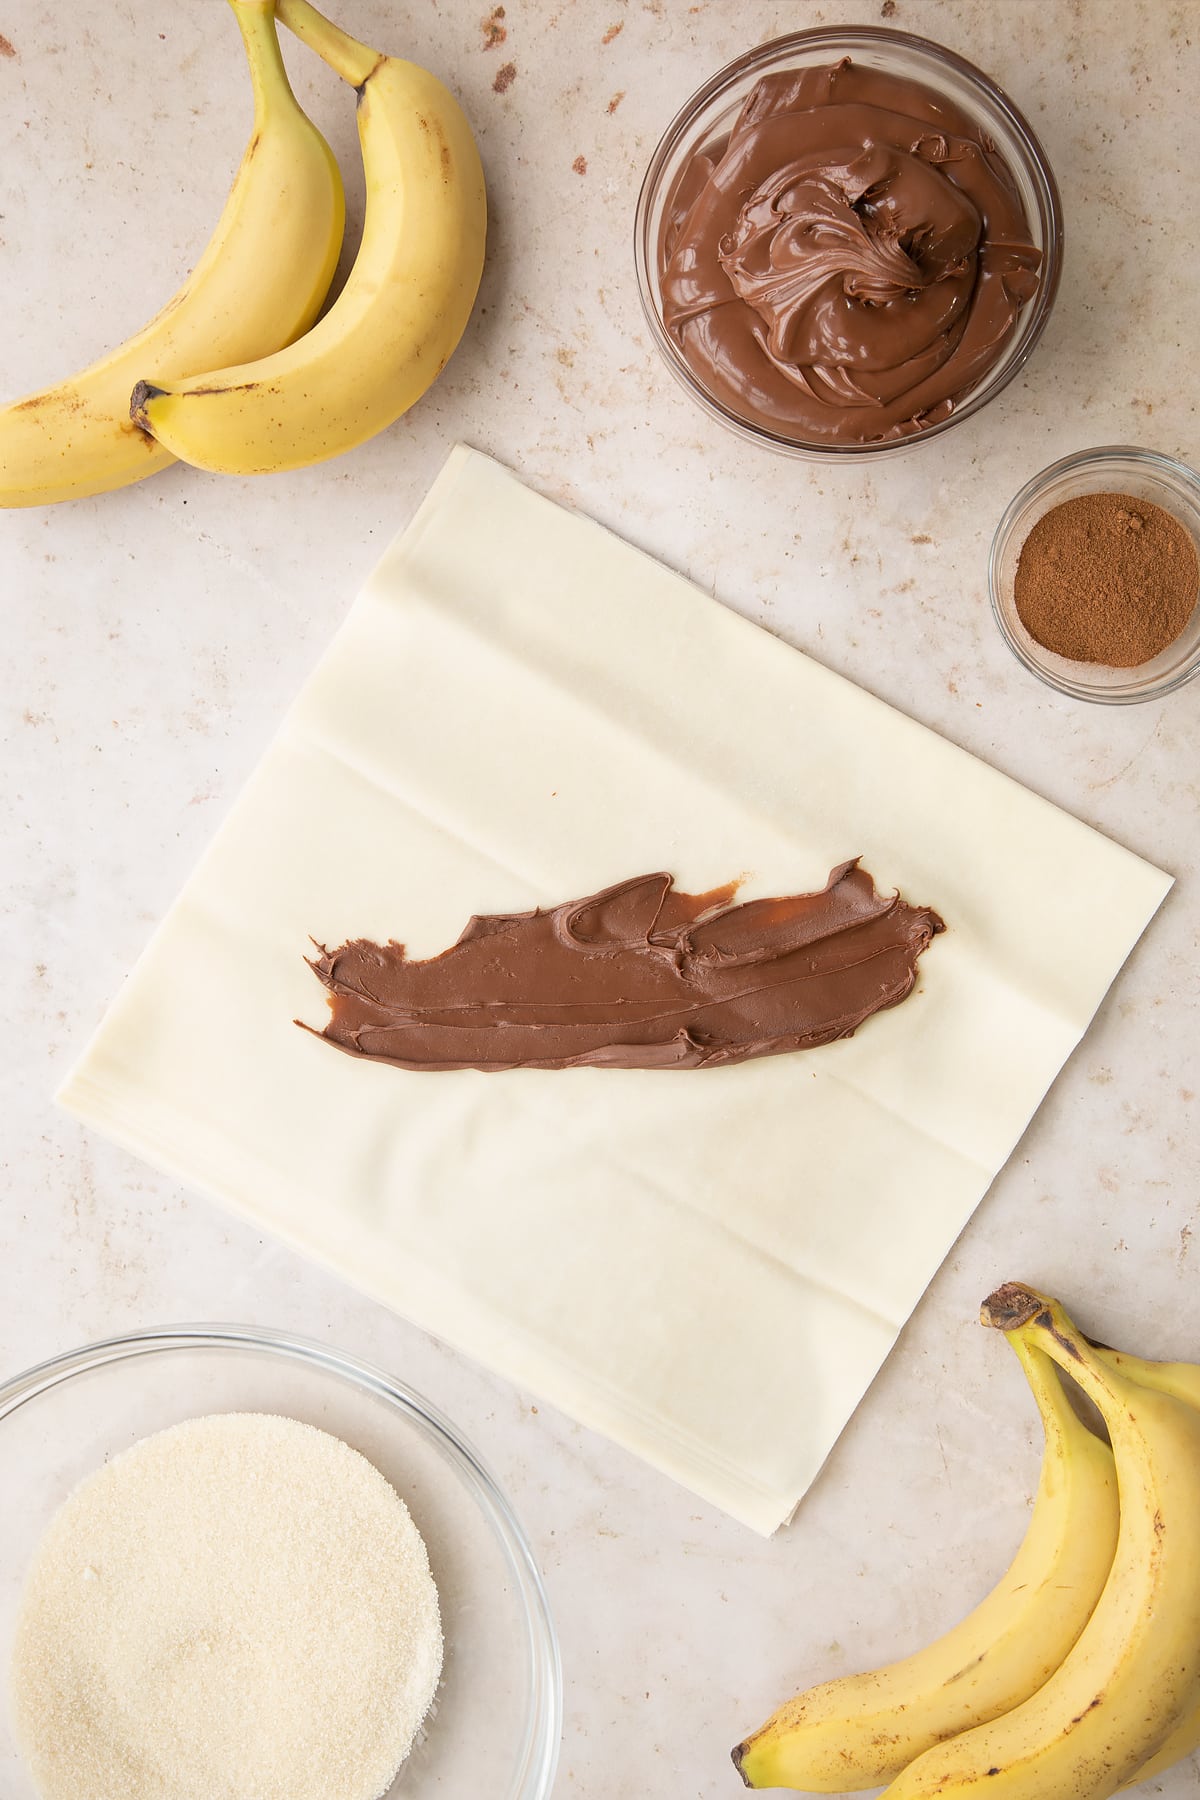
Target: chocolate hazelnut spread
x=639, y=976
x=850, y=261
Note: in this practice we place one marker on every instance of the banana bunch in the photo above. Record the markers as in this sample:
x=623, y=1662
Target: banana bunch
x=1080, y=1673
x=237, y=373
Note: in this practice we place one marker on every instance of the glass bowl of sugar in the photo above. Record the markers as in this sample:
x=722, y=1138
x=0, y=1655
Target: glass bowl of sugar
x=1067, y=530
x=495, y=1722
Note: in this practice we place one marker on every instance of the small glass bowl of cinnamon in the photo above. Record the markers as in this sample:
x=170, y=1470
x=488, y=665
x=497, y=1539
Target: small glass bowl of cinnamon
x=1094, y=591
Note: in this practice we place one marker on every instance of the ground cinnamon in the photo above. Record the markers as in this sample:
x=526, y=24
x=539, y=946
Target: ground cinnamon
x=1107, y=578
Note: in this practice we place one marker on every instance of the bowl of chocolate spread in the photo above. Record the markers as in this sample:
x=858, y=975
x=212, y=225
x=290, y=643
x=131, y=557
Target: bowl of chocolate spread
x=848, y=241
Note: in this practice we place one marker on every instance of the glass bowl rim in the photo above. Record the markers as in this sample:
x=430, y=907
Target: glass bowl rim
x=833, y=36
x=1103, y=455
x=541, y=1739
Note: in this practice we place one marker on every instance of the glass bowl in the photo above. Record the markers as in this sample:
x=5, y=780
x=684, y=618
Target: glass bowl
x=497, y=1716
x=709, y=115
x=1113, y=469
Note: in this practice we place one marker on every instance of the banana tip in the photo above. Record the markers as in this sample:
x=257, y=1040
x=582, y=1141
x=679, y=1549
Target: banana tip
x=1010, y=1306
x=737, y=1753
x=143, y=392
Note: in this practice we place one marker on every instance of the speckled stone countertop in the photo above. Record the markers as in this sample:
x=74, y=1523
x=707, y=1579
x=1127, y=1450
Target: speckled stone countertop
x=153, y=638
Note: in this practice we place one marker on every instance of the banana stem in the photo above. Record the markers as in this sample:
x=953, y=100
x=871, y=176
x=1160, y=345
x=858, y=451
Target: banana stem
x=353, y=61
x=1059, y=1417
x=256, y=22
x=1026, y=1316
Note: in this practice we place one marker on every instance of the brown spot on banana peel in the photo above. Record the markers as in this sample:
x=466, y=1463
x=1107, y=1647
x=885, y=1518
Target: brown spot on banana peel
x=1045, y=1323
x=967, y=1669
x=433, y=129
x=241, y=387
x=69, y=403
x=48, y=410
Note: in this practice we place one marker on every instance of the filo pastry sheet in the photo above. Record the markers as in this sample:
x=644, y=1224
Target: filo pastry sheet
x=707, y=1266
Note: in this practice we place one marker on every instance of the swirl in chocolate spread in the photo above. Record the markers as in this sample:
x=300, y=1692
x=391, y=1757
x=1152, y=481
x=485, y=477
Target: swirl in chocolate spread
x=639, y=976
x=850, y=261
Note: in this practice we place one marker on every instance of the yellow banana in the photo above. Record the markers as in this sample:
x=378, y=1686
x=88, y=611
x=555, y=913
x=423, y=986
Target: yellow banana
x=1183, y=1381
x=1134, y=1672
x=406, y=301
x=861, y=1730
x=259, y=284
